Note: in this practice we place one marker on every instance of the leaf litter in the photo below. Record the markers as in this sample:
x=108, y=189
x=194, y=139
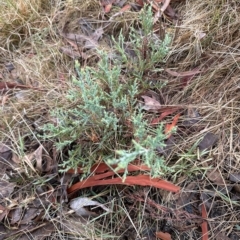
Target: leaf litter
x=209, y=192
x=79, y=205
x=208, y=141
x=150, y=104
x=102, y=179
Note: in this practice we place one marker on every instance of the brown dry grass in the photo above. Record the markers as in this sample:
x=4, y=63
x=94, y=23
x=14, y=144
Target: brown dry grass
x=29, y=38
x=214, y=93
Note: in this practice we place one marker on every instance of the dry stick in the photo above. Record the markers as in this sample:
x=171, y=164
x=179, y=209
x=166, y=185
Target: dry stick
x=165, y=5
x=11, y=85
x=160, y=11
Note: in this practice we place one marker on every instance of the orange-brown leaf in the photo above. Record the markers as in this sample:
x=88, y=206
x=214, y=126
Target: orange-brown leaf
x=169, y=127
x=108, y=8
x=204, y=224
x=163, y=115
x=126, y=8
x=163, y=236
x=142, y=180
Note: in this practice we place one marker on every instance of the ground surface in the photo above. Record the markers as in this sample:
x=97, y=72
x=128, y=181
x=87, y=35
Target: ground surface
x=191, y=91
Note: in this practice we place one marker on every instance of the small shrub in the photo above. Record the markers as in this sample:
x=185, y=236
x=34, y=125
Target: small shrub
x=102, y=120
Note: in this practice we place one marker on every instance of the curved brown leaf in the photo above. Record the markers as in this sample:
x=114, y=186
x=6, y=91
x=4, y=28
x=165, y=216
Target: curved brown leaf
x=141, y=180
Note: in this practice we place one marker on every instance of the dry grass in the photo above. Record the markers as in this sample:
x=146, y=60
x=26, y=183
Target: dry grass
x=213, y=94
x=30, y=40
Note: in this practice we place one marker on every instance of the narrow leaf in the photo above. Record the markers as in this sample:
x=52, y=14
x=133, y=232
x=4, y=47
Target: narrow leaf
x=163, y=115
x=183, y=74
x=169, y=127
x=141, y=180
x=204, y=224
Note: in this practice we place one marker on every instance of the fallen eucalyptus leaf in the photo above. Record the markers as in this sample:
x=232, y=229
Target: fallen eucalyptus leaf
x=215, y=176
x=208, y=141
x=151, y=104
x=78, y=205
x=6, y=188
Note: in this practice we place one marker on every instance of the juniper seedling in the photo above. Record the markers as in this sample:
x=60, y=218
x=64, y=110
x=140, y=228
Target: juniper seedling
x=102, y=120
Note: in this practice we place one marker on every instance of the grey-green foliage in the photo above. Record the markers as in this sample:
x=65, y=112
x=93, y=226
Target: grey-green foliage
x=101, y=119
x=148, y=49
x=145, y=143
x=99, y=105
